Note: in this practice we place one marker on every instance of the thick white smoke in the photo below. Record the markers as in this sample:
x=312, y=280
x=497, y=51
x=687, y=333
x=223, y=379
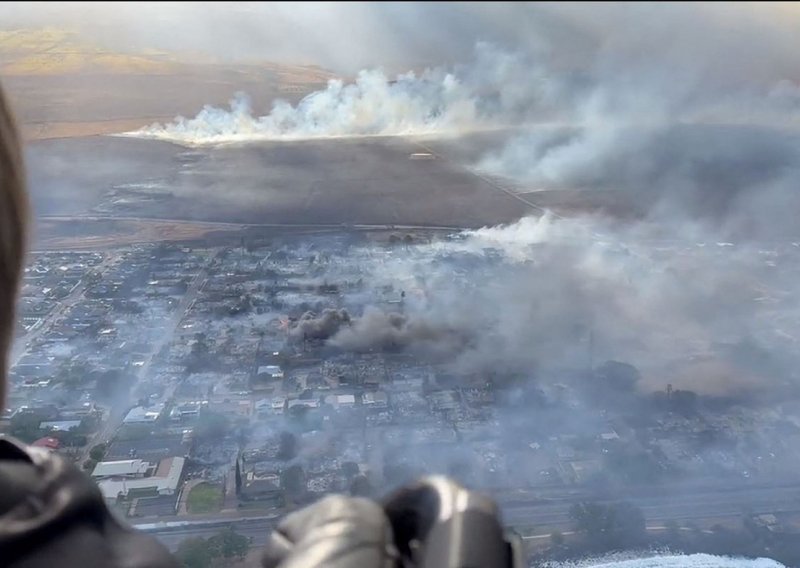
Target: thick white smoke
x=486, y=93
x=624, y=125
x=547, y=293
x=372, y=105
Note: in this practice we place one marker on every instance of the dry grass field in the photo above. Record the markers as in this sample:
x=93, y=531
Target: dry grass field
x=62, y=86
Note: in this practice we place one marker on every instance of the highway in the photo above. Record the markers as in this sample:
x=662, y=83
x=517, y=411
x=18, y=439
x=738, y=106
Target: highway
x=679, y=507
x=709, y=506
x=239, y=226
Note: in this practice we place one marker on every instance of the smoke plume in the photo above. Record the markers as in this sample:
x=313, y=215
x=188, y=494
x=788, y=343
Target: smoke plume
x=545, y=294
x=657, y=111
x=699, y=64
x=482, y=94
x=322, y=326
x=392, y=331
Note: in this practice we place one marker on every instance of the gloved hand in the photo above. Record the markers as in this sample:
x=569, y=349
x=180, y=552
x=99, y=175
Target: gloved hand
x=431, y=523
x=336, y=532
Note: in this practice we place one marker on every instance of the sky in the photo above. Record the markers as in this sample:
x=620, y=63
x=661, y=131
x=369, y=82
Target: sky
x=349, y=36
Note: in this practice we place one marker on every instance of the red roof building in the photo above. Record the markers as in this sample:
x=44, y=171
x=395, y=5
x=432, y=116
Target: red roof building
x=48, y=442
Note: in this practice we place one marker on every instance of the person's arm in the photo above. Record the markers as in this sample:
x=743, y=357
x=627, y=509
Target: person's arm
x=52, y=514
x=13, y=231
x=336, y=532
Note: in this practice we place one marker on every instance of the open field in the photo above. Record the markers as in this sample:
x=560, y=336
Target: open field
x=62, y=86
x=204, y=498
x=79, y=234
x=52, y=106
x=338, y=181
x=47, y=129
x=382, y=180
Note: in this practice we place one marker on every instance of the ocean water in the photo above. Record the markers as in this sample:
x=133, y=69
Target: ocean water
x=670, y=561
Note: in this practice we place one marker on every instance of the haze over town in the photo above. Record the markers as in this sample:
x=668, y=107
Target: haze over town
x=549, y=250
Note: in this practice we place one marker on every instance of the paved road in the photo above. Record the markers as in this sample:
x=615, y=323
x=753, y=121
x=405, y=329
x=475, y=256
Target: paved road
x=709, y=506
x=688, y=506
x=239, y=226
x=255, y=529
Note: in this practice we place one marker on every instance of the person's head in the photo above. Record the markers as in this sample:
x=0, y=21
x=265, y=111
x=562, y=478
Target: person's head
x=13, y=223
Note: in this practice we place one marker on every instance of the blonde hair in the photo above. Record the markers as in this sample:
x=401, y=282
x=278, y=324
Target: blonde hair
x=13, y=231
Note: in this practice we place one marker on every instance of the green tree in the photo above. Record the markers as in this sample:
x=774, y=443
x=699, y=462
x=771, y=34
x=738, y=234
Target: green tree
x=199, y=552
x=629, y=523
x=98, y=452
x=293, y=481
x=194, y=553
x=229, y=544
x=25, y=426
x=673, y=531
x=590, y=518
x=609, y=526
x=238, y=477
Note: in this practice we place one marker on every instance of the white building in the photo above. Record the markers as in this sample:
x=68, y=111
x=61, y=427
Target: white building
x=130, y=469
x=59, y=425
x=270, y=371
x=142, y=415
x=164, y=481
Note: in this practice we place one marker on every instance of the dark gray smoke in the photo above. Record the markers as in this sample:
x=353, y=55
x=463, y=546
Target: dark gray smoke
x=322, y=326
x=392, y=331
x=543, y=295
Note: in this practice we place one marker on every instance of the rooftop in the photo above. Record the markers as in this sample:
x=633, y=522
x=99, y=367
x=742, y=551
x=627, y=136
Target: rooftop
x=60, y=425
x=273, y=371
x=142, y=414
x=165, y=482
x=121, y=468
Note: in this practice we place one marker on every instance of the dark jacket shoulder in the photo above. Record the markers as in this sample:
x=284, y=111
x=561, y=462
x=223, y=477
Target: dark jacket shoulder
x=52, y=514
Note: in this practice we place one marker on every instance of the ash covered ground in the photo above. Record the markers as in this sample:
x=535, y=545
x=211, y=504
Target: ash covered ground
x=347, y=181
